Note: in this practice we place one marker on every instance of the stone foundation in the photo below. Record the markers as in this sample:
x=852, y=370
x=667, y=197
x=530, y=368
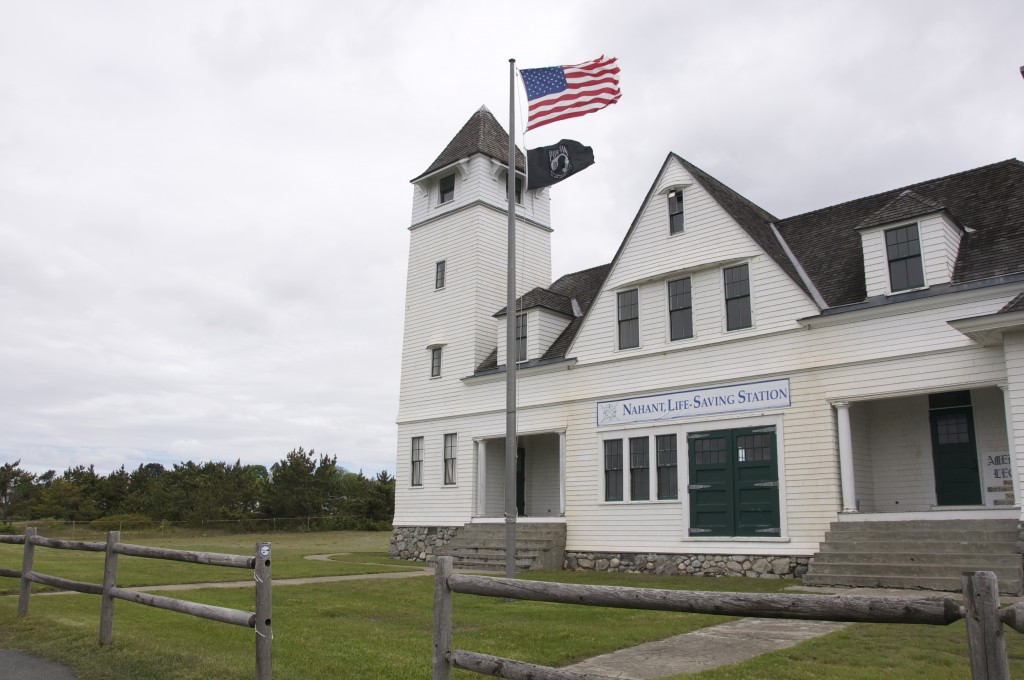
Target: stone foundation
x=419, y=544
x=751, y=566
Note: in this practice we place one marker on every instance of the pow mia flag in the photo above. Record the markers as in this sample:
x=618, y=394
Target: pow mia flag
x=549, y=165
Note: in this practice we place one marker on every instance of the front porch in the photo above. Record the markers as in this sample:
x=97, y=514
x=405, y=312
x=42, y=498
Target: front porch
x=540, y=478
x=926, y=453
x=928, y=492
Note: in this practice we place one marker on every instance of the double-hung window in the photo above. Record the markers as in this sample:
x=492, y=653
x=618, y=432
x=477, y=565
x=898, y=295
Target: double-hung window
x=613, y=470
x=629, y=318
x=675, y=212
x=668, y=479
x=450, y=450
x=435, y=362
x=439, y=271
x=639, y=469
x=680, y=309
x=737, y=297
x=446, y=189
x=519, y=189
x=520, y=337
x=416, y=462
x=903, y=250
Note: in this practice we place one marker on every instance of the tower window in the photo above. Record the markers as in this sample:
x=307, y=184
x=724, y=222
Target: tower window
x=446, y=189
x=439, y=270
x=435, y=362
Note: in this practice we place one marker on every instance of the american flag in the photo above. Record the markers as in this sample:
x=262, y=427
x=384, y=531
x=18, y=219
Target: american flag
x=559, y=92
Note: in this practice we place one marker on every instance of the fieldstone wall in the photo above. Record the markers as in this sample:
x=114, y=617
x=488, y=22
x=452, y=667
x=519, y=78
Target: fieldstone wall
x=419, y=544
x=752, y=566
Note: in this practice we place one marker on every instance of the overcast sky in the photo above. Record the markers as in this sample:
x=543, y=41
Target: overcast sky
x=204, y=205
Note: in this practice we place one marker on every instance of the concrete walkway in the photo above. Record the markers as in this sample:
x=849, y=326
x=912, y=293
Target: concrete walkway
x=705, y=649
x=16, y=665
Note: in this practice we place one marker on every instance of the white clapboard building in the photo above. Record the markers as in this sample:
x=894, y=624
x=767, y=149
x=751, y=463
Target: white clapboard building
x=734, y=393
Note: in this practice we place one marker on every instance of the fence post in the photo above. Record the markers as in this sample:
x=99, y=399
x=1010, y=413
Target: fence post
x=109, y=581
x=985, y=641
x=442, y=667
x=264, y=631
x=26, y=568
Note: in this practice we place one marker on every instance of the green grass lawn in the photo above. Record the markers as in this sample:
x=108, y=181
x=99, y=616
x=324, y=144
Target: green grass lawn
x=361, y=553
x=381, y=628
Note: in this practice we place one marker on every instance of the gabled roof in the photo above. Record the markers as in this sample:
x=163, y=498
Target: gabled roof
x=987, y=201
x=904, y=207
x=482, y=134
x=1014, y=305
x=582, y=286
x=542, y=297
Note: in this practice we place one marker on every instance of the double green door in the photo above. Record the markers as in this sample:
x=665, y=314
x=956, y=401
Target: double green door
x=734, y=483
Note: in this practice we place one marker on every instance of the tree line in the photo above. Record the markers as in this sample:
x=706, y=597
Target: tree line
x=302, y=485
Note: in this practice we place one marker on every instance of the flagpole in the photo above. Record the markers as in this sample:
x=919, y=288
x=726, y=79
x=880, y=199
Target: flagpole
x=511, y=351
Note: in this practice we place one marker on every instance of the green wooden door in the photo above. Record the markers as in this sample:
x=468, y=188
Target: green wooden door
x=734, y=483
x=957, y=481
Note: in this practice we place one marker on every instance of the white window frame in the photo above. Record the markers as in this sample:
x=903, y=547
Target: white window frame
x=441, y=267
x=885, y=254
x=454, y=458
x=413, y=450
x=725, y=306
x=668, y=309
x=618, y=335
x=651, y=433
x=440, y=361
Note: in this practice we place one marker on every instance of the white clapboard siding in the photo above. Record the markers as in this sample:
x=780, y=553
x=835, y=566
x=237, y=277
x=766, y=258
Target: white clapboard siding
x=459, y=317
x=542, y=328
x=651, y=256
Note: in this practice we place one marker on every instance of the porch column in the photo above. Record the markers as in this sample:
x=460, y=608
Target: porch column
x=846, y=456
x=481, y=477
x=561, y=474
x=1012, y=450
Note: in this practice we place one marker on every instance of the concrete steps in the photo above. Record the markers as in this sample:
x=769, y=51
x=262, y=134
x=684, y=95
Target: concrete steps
x=928, y=554
x=482, y=546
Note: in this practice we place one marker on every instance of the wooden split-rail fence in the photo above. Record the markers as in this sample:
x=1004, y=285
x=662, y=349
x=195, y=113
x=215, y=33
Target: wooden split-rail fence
x=985, y=619
x=260, y=620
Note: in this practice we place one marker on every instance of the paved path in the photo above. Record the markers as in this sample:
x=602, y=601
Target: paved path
x=704, y=649
x=20, y=666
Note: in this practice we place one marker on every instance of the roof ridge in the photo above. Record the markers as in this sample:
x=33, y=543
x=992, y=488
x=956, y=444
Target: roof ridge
x=900, y=189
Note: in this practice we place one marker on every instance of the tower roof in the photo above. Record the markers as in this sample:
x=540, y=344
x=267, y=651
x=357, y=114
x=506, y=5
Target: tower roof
x=481, y=134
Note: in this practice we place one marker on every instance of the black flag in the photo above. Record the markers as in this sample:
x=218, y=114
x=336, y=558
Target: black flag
x=549, y=165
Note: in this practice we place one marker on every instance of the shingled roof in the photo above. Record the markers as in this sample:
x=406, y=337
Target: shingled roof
x=582, y=286
x=482, y=134
x=987, y=201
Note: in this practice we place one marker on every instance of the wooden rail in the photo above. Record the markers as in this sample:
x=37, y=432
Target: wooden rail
x=259, y=620
x=985, y=619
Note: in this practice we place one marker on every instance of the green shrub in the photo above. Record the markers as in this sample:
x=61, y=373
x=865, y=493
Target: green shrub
x=133, y=522
x=8, y=529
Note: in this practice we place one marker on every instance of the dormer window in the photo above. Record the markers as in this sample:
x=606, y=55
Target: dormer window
x=446, y=189
x=520, y=337
x=675, y=212
x=903, y=250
